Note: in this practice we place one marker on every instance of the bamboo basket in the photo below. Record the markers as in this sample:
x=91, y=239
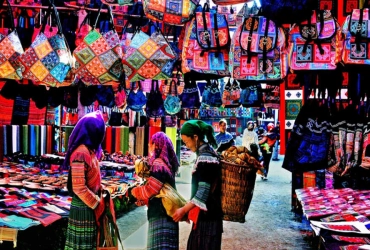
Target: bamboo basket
x=237, y=190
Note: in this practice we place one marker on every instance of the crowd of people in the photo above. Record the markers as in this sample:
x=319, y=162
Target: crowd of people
x=203, y=209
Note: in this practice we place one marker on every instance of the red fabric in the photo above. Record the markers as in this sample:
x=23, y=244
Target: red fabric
x=108, y=139
x=117, y=141
x=6, y=108
x=193, y=216
x=36, y=116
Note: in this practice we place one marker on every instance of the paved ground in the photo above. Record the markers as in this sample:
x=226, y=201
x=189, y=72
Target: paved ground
x=270, y=224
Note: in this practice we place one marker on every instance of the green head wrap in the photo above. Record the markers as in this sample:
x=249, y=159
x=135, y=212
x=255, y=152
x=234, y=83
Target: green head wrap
x=201, y=129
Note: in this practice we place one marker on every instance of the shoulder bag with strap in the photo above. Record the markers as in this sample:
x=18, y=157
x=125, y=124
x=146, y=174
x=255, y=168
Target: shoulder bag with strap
x=154, y=105
x=172, y=103
x=258, y=51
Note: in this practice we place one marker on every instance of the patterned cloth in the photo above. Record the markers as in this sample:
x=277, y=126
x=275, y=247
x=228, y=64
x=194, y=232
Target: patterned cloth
x=206, y=236
x=163, y=233
x=81, y=230
x=224, y=141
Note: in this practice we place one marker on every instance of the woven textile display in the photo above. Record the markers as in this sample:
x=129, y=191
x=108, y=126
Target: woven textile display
x=47, y=60
x=10, y=49
x=149, y=57
x=99, y=57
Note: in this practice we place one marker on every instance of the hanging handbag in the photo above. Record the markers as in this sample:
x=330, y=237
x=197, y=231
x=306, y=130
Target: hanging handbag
x=206, y=45
x=99, y=56
x=312, y=43
x=258, y=51
x=190, y=97
x=10, y=49
x=154, y=104
x=354, y=48
x=231, y=93
x=172, y=103
x=251, y=96
x=149, y=57
x=170, y=11
x=48, y=60
x=136, y=99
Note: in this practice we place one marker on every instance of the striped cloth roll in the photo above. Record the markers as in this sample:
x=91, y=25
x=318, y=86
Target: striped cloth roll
x=49, y=137
x=121, y=141
x=5, y=147
x=139, y=141
x=15, y=139
x=37, y=128
x=9, y=143
x=125, y=139
x=113, y=146
x=43, y=139
x=25, y=139
x=117, y=139
x=131, y=143
x=108, y=139
x=33, y=139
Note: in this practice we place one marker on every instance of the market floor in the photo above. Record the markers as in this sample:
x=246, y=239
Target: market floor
x=270, y=224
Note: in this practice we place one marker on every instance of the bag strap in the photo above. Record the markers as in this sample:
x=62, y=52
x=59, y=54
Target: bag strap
x=109, y=13
x=10, y=13
x=359, y=29
x=207, y=35
x=264, y=53
x=248, y=50
x=48, y=12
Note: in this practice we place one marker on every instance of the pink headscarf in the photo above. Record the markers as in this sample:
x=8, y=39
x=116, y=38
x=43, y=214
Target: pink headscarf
x=165, y=151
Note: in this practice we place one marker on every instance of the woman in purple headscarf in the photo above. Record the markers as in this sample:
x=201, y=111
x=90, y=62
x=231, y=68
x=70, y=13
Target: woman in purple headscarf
x=84, y=181
x=163, y=232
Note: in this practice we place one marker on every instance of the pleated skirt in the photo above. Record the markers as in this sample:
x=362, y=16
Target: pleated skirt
x=206, y=236
x=81, y=230
x=163, y=234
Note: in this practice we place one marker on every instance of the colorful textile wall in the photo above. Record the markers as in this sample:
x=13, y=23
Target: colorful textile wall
x=116, y=139
x=28, y=139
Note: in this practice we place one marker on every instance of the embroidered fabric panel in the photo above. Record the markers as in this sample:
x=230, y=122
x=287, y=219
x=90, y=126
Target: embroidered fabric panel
x=201, y=195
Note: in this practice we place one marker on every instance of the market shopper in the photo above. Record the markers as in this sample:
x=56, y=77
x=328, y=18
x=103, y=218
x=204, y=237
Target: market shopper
x=84, y=181
x=224, y=139
x=266, y=142
x=163, y=231
x=250, y=138
x=204, y=207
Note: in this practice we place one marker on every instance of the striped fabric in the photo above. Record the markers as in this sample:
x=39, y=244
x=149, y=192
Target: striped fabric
x=201, y=195
x=86, y=179
x=25, y=138
x=163, y=234
x=150, y=189
x=81, y=230
x=139, y=142
x=36, y=115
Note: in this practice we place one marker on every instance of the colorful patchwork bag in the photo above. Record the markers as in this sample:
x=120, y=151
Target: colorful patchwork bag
x=312, y=43
x=99, y=56
x=231, y=93
x=149, y=57
x=206, y=44
x=172, y=103
x=258, y=51
x=173, y=12
x=354, y=49
x=48, y=60
x=10, y=49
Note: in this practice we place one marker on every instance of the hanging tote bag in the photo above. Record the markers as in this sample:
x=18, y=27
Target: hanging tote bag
x=154, y=104
x=258, y=51
x=190, y=97
x=251, y=96
x=214, y=96
x=136, y=99
x=149, y=57
x=312, y=43
x=47, y=60
x=354, y=48
x=206, y=44
x=10, y=49
x=172, y=103
x=231, y=93
x=173, y=12
x=99, y=56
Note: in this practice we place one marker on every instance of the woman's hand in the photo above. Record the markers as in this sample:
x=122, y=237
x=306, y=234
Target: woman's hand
x=179, y=214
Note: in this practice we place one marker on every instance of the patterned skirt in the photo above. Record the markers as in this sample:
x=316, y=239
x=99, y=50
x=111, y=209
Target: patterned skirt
x=163, y=234
x=81, y=230
x=206, y=236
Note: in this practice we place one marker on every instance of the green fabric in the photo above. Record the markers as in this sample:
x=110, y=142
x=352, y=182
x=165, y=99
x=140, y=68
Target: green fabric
x=67, y=134
x=171, y=132
x=37, y=128
x=122, y=139
x=201, y=129
x=25, y=139
x=126, y=138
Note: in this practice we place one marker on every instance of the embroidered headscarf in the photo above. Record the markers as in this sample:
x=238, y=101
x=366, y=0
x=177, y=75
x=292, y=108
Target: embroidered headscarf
x=165, y=151
x=89, y=131
x=201, y=129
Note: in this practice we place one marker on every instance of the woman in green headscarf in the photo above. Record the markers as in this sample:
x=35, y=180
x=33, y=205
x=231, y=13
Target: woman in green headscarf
x=204, y=208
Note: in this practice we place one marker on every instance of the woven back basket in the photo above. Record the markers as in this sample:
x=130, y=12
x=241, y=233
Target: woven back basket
x=237, y=190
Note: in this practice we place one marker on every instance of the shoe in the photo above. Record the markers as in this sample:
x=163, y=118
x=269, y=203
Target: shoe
x=275, y=159
x=262, y=177
x=265, y=178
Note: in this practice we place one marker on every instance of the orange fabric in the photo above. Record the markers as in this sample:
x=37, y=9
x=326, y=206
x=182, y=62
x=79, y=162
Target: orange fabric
x=193, y=216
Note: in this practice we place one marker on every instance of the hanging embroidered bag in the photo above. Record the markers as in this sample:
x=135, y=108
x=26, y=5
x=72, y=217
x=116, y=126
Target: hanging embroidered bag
x=190, y=97
x=231, y=93
x=47, y=60
x=136, y=99
x=173, y=12
x=258, y=51
x=10, y=49
x=206, y=44
x=172, y=103
x=354, y=49
x=251, y=96
x=99, y=56
x=313, y=42
x=149, y=57
x=154, y=104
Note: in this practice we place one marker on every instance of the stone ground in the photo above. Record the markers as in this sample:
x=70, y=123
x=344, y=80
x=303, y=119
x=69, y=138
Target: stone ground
x=270, y=224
